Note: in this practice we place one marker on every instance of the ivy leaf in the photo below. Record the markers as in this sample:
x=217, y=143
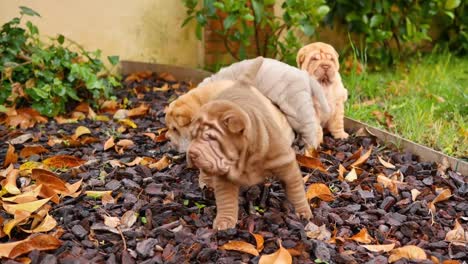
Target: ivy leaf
x=376, y=20
x=61, y=39
x=452, y=4
x=308, y=29
x=229, y=21
x=323, y=10
x=28, y=11
x=258, y=10
x=114, y=60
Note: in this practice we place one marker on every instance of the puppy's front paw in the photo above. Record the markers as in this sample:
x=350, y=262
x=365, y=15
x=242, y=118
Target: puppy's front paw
x=223, y=223
x=304, y=213
x=341, y=135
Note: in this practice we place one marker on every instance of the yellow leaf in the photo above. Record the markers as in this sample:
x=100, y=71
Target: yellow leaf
x=362, y=158
x=109, y=143
x=97, y=194
x=379, y=248
x=46, y=225
x=386, y=164
x=102, y=118
x=351, y=176
x=319, y=190
x=161, y=164
x=25, y=168
x=409, y=252
x=28, y=207
x=281, y=256
x=25, y=197
x=259, y=241
x=127, y=122
x=362, y=237
x=240, y=246
x=10, y=182
x=19, y=216
x=81, y=130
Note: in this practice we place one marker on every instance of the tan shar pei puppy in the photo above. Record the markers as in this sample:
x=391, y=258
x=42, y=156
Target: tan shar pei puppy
x=236, y=142
x=290, y=89
x=320, y=60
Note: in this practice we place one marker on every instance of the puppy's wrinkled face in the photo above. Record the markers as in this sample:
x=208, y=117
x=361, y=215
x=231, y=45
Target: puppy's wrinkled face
x=218, y=137
x=320, y=60
x=178, y=118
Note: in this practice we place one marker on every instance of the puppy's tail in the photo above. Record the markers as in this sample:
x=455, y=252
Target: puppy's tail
x=248, y=77
x=316, y=91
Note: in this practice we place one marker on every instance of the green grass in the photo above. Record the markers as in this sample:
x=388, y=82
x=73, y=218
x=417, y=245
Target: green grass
x=427, y=98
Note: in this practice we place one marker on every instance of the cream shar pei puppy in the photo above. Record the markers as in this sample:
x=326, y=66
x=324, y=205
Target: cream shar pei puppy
x=290, y=89
x=236, y=142
x=320, y=60
x=180, y=112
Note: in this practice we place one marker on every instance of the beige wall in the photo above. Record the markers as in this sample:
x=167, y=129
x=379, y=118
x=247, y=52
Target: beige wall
x=143, y=30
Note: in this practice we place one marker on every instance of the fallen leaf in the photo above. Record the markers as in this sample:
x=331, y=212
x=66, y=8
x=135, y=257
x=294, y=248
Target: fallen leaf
x=32, y=150
x=409, y=252
x=126, y=143
x=24, y=118
x=457, y=234
x=11, y=157
x=73, y=189
x=240, y=246
x=150, y=135
x=21, y=139
x=362, y=237
x=109, y=143
x=167, y=77
x=107, y=199
x=392, y=185
x=351, y=176
x=24, y=197
x=386, y=164
x=81, y=130
x=49, y=179
x=128, y=123
x=9, y=184
x=138, y=76
x=109, y=106
x=341, y=171
x=311, y=163
x=259, y=240
x=362, y=159
x=315, y=232
x=46, y=225
x=445, y=194
x=96, y=194
x=28, y=207
x=136, y=161
x=414, y=194
x=281, y=256
x=138, y=111
x=26, y=168
x=38, y=242
x=161, y=164
x=321, y=191
x=355, y=155
x=379, y=248
x=19, y=216
x=6, y=248
x=63, y=161
x=120, y=114
x=128, y=219
x=111, y=221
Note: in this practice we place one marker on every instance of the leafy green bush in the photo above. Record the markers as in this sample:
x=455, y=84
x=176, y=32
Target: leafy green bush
x=48, y=76
x=387, y=29
x=253, y=23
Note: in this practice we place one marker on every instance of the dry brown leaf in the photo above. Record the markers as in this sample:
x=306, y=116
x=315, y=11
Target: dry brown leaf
x=36, y=242
x=443, y=195
x=150, y=135
x=24, y=118
x=138, y=76
x=96, y=194
x=127, y=143
x=136, y=161
x=409, y=252
x=128, y=219
x=259, y=240
x=240, y=246
x=311, y=163
x=32, y=150
x=21, y=139
x=9, y=184
x=138, y=111
x=19, y=216
x=457, y=234
x=321, y=191
x=362, y=159
x=28, y=207
x=46, y=225
x=281, y=256
x=107, y=199
x=447, y=261
x=167, y=77
x=351, y=176
x=111, y=221
x=81, y=130
x=386, y=164
x=414, y=194
x=379, y=248
x=73, y=189
x=24, y=197
x=161, y=164
x=315, y=232
x=109, y=143
x=11, y=157
x=63, y=161
x=392, y=185
x=362, y=237
x=341, y=171
x=355, y=155
x=49, y=179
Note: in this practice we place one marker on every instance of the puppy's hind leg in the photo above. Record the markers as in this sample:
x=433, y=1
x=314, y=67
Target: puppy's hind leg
x=227, y=203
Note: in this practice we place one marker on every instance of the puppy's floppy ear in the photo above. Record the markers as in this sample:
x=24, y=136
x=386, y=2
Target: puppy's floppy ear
x=250, y=73
x=182, y=120
x=233, y=122
x=300, y=57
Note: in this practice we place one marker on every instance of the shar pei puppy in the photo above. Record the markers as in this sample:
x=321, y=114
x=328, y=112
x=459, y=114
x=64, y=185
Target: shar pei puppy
x=291, y=89
x=320, y=60
x=237, y=142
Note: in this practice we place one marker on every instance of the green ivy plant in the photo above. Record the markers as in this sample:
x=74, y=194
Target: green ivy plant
x=253, y=23
x=389, y=30
x=49, y=75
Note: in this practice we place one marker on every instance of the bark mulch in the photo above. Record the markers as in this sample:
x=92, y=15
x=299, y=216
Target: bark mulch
x=174, y=216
